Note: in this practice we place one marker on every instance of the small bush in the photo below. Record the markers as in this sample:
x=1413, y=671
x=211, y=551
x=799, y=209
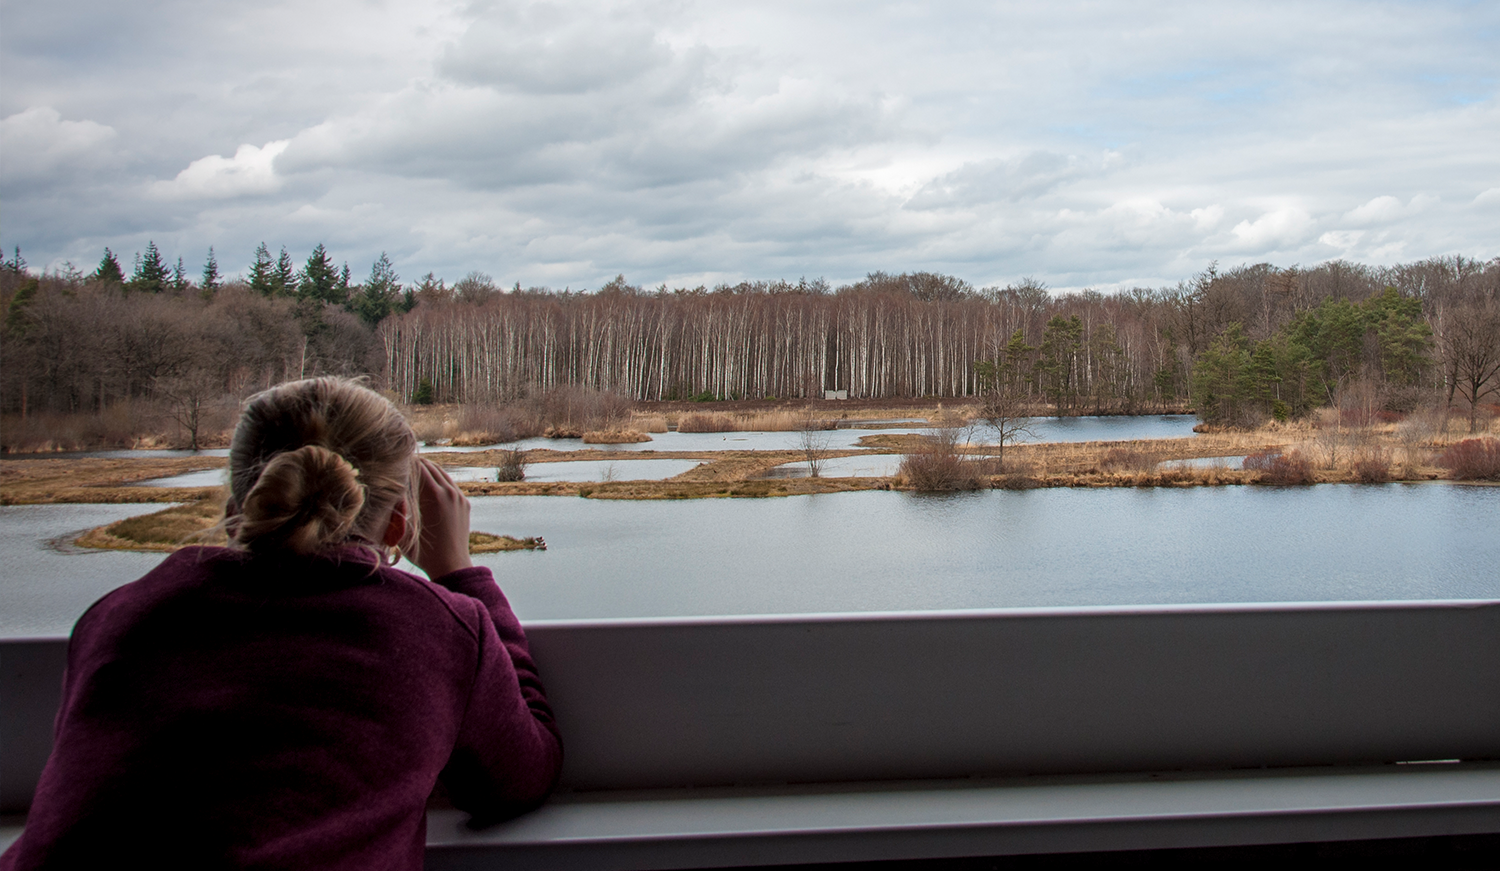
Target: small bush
x=707, y=423
x=1472, y=459
x=939, y=465
x=424, y=394
x=935, y=471
x=1372, y=467
x=1279, y=468
x=562, y=432
x=512, y=466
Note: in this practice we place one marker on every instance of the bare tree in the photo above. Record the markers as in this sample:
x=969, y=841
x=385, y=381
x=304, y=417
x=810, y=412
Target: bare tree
x=190, y=395
x=1005, y=405
x=813, y=440
x=1470, y=344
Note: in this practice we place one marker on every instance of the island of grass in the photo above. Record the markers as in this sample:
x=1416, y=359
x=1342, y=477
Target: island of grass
x=197, y=523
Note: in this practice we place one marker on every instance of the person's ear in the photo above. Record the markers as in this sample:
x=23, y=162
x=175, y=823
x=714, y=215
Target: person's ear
x=395, y=530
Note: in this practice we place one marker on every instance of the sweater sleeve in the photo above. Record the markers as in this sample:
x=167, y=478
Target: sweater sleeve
x=508, y=754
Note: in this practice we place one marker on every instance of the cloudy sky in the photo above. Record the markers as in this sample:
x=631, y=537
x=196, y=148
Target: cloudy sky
x=1088, y=144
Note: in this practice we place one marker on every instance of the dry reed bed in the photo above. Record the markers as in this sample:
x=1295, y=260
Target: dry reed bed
x=99, y=480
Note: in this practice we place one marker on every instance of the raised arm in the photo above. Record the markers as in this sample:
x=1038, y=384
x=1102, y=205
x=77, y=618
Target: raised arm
x=508, y=752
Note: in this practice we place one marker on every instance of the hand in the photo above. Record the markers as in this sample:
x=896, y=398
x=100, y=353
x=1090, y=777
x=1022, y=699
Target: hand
x=443, y=546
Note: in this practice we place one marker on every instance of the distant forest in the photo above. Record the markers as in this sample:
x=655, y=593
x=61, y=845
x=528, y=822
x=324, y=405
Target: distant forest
x=1240, y=345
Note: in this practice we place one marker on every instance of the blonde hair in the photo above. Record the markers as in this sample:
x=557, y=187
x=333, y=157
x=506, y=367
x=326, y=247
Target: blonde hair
x=318, y=463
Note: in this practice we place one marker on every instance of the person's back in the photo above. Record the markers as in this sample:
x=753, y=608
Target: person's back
x=267, y=708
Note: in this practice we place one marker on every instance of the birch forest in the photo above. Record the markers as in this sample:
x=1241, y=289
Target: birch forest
x=910, y=335
x=1247, y=341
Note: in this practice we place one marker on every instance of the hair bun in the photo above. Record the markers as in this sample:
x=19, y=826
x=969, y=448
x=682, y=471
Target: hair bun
x=304, y=501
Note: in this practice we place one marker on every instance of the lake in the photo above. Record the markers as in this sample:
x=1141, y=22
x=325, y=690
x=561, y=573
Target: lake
x=893, y=551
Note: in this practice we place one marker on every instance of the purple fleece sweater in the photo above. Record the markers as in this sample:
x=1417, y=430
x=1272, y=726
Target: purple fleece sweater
x=273, y=712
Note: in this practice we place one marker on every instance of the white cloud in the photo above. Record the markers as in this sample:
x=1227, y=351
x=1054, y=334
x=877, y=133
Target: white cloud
x=38, y=142
x=1344, y=240
x=250, y=171
x=1377, y=211
x=1283, y=228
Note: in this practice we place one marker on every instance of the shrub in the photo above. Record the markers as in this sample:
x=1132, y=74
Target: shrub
x=1472, y=459
x=706, y=423
x=934, y=471
x=424, y=394
x=1279, y=468
x=1372, y=467
x=938, y=465
x=512, y=466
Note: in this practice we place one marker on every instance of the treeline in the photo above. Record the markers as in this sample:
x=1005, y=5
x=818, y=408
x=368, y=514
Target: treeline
x=1255, y=341
x=1241, y=344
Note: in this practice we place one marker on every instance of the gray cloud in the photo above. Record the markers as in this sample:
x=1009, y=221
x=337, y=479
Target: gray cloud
x=560, y=143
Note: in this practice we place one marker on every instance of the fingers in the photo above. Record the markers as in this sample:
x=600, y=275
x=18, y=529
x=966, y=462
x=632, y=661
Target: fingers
x=445, y=522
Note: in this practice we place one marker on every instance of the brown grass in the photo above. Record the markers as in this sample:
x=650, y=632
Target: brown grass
x=707, y=422
x=615, y=437
x=165, y=530
x=484, y=542
x=99, y=480
x=652, y=423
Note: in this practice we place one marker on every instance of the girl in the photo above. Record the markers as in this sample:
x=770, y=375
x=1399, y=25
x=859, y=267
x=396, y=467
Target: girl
x=291, y=700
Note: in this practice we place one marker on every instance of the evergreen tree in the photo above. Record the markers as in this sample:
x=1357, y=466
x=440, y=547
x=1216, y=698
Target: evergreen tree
x=109, y=270
x=151, y=272
x=16, y=264
x=263, y=272
x=1057, y=360
x=380, y=295
x=319, y=280
x=210, y=273
x=284, y=280
x=1223, y=382
x=180, y=281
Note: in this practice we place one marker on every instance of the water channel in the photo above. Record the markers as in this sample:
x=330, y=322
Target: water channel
x=892, y=551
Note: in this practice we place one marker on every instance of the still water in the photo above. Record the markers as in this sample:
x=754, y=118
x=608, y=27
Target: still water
x=1044, y=429
x=887, y=551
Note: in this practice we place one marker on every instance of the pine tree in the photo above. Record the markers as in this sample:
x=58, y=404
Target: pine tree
x=380, y=295
x=180, y=281
x=210, y=273
x=109, y=270
x=151, y=273
x=319, y=280
x=284, y=280
x=16, y=264
x=262, y=272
